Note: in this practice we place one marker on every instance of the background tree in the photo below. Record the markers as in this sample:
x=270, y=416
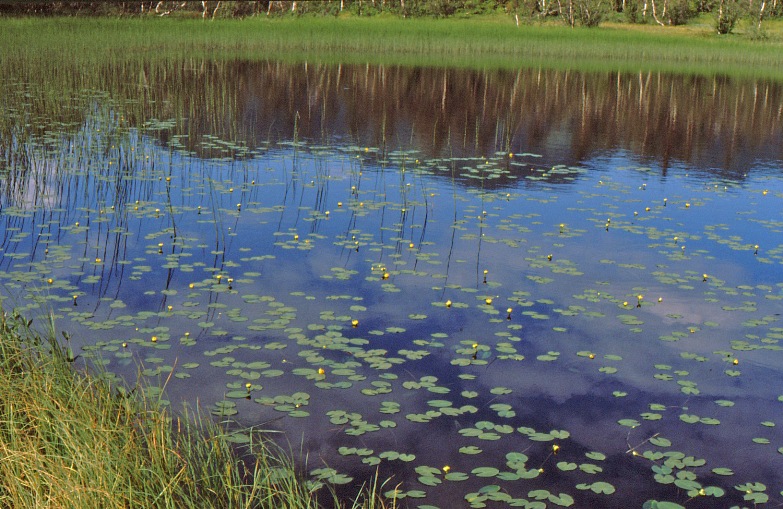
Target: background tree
x=728, y=14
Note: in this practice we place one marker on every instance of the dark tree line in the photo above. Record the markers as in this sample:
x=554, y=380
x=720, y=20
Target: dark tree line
x=727, y=13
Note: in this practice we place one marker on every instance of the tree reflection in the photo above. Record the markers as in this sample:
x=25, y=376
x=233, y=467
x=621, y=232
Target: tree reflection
x=718, y=123
x=229, y=108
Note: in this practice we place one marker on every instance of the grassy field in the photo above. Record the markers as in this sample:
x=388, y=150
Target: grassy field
x=482, y=42
x=73, y=440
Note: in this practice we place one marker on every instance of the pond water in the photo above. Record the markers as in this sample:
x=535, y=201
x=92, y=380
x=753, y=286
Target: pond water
x=526, y=288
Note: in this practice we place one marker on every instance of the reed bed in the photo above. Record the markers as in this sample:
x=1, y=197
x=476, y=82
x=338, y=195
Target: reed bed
x=70, y=439
x=452, y=42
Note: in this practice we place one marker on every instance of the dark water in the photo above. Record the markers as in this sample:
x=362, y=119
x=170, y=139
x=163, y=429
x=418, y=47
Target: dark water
x=243, y=214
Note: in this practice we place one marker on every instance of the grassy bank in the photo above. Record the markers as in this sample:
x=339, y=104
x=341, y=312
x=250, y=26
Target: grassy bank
x=481, y=42
x=72, y=440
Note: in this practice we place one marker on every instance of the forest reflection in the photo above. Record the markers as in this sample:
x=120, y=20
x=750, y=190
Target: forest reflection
x=717, y=124
x=713, y=123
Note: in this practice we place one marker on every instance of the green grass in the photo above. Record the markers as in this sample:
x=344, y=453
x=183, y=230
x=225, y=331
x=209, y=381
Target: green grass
x=483, y=42
x=73, y=440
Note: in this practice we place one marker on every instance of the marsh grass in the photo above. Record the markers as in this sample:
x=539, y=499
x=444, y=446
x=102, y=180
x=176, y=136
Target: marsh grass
x=485, y=43
x=69, y=439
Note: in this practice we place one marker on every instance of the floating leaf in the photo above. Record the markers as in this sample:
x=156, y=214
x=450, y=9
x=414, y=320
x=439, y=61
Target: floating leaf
x=485, y=472
x=597, y=456
x=653, y=504
x=602, y=488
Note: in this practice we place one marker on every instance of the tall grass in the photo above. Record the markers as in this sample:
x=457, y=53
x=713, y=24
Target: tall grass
x=473, y=43
x=73, y=440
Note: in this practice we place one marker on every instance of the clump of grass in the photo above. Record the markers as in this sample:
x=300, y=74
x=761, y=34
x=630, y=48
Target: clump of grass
x=71, y=439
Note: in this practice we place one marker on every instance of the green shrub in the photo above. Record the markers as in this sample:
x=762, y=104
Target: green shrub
x=727, y=14
x=590, y=13
x=680, y=12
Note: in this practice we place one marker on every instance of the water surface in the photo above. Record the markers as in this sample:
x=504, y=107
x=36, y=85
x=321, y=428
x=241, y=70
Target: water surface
x=539, y=288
